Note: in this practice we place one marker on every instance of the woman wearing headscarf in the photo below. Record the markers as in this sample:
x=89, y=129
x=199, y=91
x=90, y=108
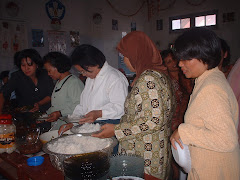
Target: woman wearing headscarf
x=144, y=129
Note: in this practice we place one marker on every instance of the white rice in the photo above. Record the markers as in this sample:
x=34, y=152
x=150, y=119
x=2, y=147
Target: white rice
x=87, y=128
x=78, y=145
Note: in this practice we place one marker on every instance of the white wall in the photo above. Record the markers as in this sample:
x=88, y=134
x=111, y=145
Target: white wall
x=78, y=17
x=228, y=30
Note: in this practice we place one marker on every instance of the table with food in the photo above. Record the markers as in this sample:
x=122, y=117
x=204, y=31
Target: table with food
x=29, y=152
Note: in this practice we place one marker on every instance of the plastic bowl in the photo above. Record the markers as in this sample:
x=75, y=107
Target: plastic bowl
x=126, y=165
x=182, y=156
x=35, y=161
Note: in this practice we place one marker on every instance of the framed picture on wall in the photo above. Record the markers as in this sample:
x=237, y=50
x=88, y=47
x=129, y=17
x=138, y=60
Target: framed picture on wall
x=57, y=41
x=37, y=38
x=74, y=38
x=159, y=24
x=133, y=26
x=115, y=24
x=13, y=37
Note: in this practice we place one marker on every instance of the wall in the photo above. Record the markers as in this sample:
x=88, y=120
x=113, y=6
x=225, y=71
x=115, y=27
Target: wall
x=228, y=30
x=79, y=17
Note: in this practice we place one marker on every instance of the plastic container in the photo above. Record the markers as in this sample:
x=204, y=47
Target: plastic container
x=126, y=165
x=30, y=142
x=35, y=161
x=182, y=156
x=7, y=134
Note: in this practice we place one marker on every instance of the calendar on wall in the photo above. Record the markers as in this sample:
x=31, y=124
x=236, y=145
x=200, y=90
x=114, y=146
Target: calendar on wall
x=57, y=41
x=13, y=37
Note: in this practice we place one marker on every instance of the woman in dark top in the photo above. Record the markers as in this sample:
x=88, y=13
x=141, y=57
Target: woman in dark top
x=32, y=85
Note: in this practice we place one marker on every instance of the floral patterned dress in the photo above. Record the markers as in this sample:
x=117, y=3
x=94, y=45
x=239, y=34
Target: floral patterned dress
x=144, y=129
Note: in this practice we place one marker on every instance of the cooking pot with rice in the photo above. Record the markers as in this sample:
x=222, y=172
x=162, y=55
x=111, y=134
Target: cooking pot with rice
x=81, y=157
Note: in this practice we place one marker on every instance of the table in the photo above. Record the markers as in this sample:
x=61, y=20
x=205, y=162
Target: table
x=14, y=167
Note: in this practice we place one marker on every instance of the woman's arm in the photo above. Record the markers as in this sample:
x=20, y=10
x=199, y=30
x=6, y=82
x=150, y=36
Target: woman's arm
x=147, y=109
x=45, y=100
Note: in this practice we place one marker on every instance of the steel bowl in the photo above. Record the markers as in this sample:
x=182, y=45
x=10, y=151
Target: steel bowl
x=57, y=159
x=74, y=129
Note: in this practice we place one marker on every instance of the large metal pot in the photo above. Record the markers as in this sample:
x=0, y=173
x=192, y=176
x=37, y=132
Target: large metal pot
x=58, y=159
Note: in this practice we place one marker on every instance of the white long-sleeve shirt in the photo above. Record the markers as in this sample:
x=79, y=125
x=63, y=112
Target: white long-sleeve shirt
x=106, y=92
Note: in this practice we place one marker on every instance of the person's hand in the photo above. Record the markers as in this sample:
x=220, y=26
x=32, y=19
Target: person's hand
x=53, y=116
x=107, y=131
x=35, y=108
x=175, y=137
x=91, y=117
x=65, y=127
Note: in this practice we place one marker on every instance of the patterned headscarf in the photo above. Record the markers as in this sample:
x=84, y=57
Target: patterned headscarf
x=141, y=52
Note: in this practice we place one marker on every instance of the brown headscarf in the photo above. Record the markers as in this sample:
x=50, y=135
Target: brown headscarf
x=141, y=52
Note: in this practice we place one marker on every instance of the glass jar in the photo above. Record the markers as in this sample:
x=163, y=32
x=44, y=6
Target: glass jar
x=7, y=134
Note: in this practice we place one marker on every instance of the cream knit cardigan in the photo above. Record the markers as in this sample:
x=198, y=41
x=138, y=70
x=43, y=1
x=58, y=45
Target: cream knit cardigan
x=210, y=129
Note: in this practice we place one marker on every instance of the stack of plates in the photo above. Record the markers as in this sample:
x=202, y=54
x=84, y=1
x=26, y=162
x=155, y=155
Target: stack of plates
x=182, y=156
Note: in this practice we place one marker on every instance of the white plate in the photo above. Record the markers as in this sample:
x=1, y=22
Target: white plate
x=42, y=118
x=75, y=129
x=128, y=177
x=182, y=156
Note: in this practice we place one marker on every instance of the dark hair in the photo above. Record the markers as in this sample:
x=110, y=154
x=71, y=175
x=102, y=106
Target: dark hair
x=200, y=43
x=87, y=55
x=29, y=53
x=58, y=60
x=225, y=48
x=4, y=74
x=165, y=54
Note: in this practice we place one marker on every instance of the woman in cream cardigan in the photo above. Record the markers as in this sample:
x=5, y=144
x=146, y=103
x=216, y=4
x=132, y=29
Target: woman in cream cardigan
x=211, y=120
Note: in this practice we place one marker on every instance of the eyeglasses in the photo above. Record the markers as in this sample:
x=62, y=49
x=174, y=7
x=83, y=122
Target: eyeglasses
x=84, y=72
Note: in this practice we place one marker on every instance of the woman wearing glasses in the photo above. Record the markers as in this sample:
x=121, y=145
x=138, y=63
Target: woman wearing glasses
x=105, y=89
x=68, y=88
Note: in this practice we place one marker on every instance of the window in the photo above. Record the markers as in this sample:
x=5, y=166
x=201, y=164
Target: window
x=206, y=19
x=209, y=20
x=181, y=23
